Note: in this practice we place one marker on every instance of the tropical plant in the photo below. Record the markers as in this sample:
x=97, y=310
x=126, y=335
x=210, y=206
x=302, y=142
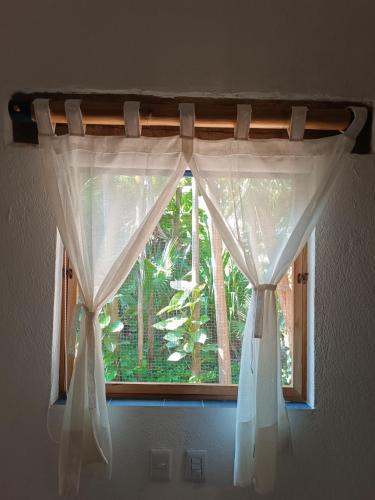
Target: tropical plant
x=181, y=341
x=184, y=332
x=110, y=341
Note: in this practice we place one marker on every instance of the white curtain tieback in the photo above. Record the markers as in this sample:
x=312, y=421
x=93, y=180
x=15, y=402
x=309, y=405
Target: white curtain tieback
x=259, y=307
x=265, y=286
x=91, y=316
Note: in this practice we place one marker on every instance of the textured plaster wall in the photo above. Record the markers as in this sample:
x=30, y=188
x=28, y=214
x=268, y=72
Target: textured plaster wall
x=255, y=48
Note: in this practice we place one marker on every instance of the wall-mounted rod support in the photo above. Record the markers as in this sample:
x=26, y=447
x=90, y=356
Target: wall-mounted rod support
x=211, y=114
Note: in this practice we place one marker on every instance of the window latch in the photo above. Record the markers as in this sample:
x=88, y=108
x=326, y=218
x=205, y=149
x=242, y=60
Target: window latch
x=68, y=273
x=302, y=278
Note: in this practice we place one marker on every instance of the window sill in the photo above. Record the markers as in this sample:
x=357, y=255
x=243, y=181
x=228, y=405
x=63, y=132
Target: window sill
x=170, y=403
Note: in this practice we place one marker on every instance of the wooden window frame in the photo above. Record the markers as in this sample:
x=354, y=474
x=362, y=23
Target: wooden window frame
x=156, y=390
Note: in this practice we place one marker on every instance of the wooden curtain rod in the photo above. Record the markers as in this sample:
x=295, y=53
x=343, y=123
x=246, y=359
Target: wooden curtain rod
x=159, y=116
x=208, y=115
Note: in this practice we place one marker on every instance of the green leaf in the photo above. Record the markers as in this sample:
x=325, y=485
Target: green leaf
x=173, y=344
x=104, y=320
x=204, y=319
x=110, y=344
x=109, y=358
x=149, y=266
x=188, y=347
x=164, y=310
x=173, y=304
x=184, y=296
x=173, y=337
x=176, y=356
x=184, y=306
x=197, y=291
x=201, y=337
x=176, y=298
x=110, y=374
x=199, y=288
x=170, y=323
x=116, y=326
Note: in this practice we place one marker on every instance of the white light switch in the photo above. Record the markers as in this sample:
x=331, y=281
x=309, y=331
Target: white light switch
x=161, y=465
x=195, y=465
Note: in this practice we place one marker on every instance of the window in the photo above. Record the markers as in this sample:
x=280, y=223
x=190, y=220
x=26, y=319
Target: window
x=174, y=329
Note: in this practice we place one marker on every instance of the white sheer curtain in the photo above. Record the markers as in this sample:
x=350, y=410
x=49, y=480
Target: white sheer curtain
x=108, y=194
x=265, y=197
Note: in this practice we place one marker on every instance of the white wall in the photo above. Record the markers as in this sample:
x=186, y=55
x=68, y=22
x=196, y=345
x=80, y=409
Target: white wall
x=314, y=48
x=287, y=48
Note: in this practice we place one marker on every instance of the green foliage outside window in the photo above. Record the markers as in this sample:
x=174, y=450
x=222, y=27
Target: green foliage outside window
x=171, y=332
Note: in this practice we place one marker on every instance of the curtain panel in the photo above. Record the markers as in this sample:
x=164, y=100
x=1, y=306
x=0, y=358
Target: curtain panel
x=265, y=197
x=108, y=195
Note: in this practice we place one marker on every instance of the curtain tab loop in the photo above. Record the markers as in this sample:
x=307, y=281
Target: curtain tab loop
x=296, y=129
x=259, y=307
x=43, y=117
x=132, y=119
x=74, y=117
x=360, y=118
x=241, y=130
x=187, y=119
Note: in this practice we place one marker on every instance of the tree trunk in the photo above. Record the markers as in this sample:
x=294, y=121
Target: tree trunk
x=225, y=370
x=196, y=355
x=140, y=309
x=176, y=218
x=150, y=331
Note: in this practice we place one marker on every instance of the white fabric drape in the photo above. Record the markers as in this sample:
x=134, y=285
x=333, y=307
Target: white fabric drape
x=265, y=197
x=108, y=194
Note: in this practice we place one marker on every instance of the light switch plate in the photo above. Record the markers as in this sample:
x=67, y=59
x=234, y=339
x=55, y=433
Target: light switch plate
x=160, y=465
x=196, y=465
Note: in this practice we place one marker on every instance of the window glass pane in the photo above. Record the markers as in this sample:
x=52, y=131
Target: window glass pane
x=160, y=328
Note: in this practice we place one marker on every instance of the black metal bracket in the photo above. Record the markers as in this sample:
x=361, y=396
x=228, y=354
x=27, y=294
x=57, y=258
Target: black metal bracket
x=20, y=111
